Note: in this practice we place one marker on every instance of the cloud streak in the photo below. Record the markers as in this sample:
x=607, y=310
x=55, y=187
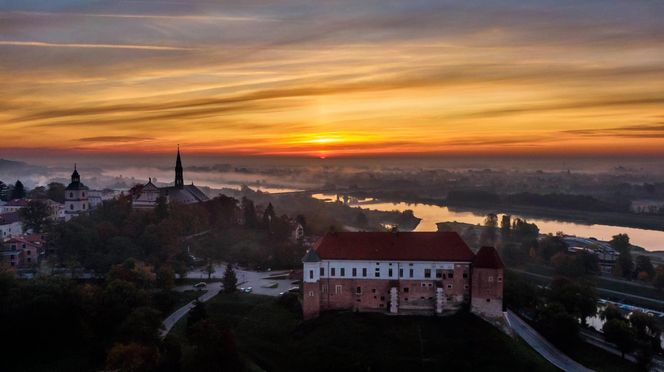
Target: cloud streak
x=44, y=44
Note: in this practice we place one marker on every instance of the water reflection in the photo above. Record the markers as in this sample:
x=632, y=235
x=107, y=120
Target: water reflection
x=651, y=240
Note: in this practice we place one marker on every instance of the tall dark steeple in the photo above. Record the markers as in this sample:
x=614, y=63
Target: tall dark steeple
x=179, y=178
x=75, y=178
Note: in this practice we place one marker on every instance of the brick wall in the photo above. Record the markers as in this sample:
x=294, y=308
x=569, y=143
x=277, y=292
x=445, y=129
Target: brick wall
x=487, y=292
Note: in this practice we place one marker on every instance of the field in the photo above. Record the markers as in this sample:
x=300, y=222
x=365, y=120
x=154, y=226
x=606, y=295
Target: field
x=274, y=338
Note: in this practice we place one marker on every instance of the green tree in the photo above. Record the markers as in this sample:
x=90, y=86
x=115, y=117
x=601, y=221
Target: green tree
x=619, y=333
x=230, y=279
x=643, y=265
x=658, y=281
x=143, y=325
x=550, y=245
x=249, y=213
x=36, y=216
x=38, y=192
x=18, y=192
x=56, y=192
x=559, y=326
x=611, y=312
x=578, y=297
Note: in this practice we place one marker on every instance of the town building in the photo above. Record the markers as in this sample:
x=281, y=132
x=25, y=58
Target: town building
x=401, y=273
x=76, y=197
x=10, y=225
x=14, y=205
x=178, y=193
x=22, y=251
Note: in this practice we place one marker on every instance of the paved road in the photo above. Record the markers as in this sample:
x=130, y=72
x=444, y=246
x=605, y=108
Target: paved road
x=212, y=290
x=260, y=282
x=542, y=346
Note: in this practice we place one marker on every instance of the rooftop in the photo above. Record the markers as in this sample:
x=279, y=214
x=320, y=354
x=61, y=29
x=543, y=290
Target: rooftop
x=397, y=246
x=488, y=258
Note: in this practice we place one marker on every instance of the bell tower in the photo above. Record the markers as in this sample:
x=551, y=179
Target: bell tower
x=179, y=177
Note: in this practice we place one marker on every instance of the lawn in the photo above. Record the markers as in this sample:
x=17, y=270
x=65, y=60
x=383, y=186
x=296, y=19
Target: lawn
x=275, y=339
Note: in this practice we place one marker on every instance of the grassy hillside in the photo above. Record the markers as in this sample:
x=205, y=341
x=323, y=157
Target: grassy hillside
x=275, y=339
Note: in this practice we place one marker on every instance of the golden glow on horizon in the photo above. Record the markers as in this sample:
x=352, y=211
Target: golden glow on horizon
x=249, y=84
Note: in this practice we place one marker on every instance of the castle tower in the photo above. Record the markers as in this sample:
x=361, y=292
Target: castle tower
x=487, y=284
x=311, y=285
x=76, y=197
x=179, y=176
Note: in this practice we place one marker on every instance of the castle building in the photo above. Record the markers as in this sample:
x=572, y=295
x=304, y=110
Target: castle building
x=401, y=273
x=76, y=197
x=178, y=193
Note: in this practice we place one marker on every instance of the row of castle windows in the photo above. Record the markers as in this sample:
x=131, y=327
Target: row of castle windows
x=440, y=274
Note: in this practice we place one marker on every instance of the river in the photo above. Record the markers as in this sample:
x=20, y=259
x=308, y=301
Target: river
x=651, y=240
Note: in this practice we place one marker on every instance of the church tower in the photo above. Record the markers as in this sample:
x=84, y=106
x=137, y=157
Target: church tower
x=179, y=177
x=76, y=197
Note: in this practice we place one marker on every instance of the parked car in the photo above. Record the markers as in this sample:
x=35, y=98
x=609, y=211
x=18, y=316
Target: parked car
x=200, y=285
x=290, y=290
x=247, y=290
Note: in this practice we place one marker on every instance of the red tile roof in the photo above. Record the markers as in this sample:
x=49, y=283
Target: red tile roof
x=488, y=258
x=400, y=246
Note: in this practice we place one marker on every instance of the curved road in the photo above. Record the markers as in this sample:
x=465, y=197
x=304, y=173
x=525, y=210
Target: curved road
x=542, y=346
x=259, y=281
x=212, y=290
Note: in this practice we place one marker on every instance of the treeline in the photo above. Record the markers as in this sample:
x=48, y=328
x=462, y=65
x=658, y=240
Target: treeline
x=555, y=200
x=56, y=324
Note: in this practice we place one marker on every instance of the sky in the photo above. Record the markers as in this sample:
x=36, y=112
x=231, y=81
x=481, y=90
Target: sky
x=332, y=78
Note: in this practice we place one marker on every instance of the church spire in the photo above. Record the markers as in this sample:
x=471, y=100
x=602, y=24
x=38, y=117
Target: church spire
x=179, y=177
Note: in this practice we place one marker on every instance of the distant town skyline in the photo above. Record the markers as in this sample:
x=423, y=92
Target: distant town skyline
x=332, y=79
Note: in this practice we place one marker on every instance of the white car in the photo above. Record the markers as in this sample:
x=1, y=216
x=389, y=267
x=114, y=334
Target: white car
x=200, y=285
x=247, y=290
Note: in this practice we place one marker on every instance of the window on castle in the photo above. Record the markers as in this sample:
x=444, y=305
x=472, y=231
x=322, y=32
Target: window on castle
x=405, y=289
x=71, y=194
x=71, y=207
x=449, y=286
x=400, y=273
x=411, y=273
x=500, y=279
x=311, y=274
x=377, y=273
x=364, y=272
x=343, y=271
x=491, y=279
x=322, y=271
x=358, y=290
x=354, y=272
x=465, y=275
x=427, y=273
x=450, y=275
x=323, y=289
x=337, y=289
x=311, y=293
x=389, y=273
x=439, y=273
x=333, y=272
